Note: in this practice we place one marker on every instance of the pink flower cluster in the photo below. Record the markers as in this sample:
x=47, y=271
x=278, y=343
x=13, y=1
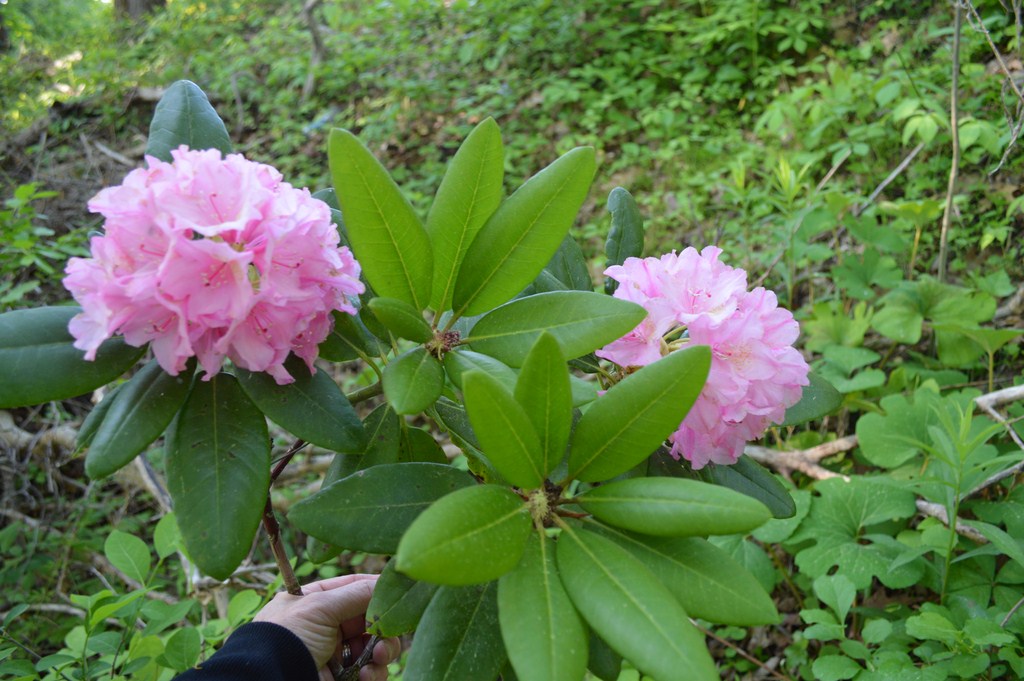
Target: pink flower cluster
x=694, y=299
x=213, y=257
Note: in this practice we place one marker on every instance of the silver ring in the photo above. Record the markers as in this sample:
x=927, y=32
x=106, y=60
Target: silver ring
x=346, y=655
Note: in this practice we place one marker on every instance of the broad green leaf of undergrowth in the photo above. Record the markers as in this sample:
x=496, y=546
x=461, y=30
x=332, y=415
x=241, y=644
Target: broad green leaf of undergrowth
x=371, y=509
x=469, y=193
x=544, y=636
x=471, y=536
x=836, y=525
x=894, y=437
x=413, y=381
x=626, y=236
x=39, y=363
x=673, y=507
x=184, y=116
x=504, y=430
x=218, y=473
x=312, y=407
x=518, y=240
x=398, y=603
x=580, y=321
x=630, y=609
x=143, y=410
x=392, y=246
x=622, y=427
x=706, y=580
x=129, y=554
x=545, y=394
x=459, y=637
x=182, y=649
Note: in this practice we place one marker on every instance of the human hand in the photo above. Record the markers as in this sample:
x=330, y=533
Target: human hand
x=331, y=614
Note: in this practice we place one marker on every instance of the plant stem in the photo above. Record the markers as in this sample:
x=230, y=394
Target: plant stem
x=291, y=583
x=366, y=393
x=954, y=122
x=292, y=451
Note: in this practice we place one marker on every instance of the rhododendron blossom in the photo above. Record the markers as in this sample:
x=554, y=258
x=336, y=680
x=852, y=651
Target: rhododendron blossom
x=694, y=299
x=212, y=257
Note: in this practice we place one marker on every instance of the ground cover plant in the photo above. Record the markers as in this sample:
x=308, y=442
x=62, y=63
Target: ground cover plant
x=812, y=142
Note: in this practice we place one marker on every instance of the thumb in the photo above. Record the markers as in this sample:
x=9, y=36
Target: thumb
x=344, y=602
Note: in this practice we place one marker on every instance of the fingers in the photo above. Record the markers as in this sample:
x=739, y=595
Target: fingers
x=336, y=582
x=384, y=652
x=343, y=602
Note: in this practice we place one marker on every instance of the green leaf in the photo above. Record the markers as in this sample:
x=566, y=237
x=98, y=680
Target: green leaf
x=673, y=507
x=418, y=444
x=182, y=649
x=398, y=603
x=544, y=636
x=749, y=477
x=837, y=592
x=460, y=362
x=459, y=638
x=348, y=338
x=932, y=626
x=39, y=363
x=184, y=116
x=524, y=232
x=623, y=427
x=92, y=422
x=166, y=535
x=602, y=661
x=818, y=399
x=387, y=237
x=144, y=409
x=569, y=267
x=312, y=407
x=836, y=525
x=129, y=554
x=898, y=434
x=371, y=509
x=413, y=381
x=706, y=580
x=469, y=193
x=504, y=430
x=401, y=319
x=630, y=609
x=835, y=668
x=626, y=236
x=218, y=473
x=579, y=321
x=471, y=536
x=544, y=392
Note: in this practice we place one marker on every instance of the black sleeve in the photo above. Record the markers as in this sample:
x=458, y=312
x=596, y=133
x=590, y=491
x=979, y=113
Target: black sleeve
x=259, y=651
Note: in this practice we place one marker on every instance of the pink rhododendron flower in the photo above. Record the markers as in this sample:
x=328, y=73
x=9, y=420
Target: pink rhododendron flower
x=212, y=257
x=694, y=299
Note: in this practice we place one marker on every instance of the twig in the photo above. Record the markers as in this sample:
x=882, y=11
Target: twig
x=292, y=451
x=786, y=461
x=291, y=583
x=120, y=158
x=939, y=511
x=1013, y=610
x=366, y=393
x=742, y=653
x=988, y=403
x=954, y=122
x=833, y=169
x=317, y=55
x=892, y=176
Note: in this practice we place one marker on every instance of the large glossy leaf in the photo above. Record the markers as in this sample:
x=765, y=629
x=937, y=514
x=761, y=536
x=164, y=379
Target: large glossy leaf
x=39, y=363
x=471, y=536
x=518, y=240
x=312, y=407
x=630, y=609
x=461, y=362
x=398, y=603
x=459, y=638
x=349, y=339
x=371, y=509
x=468, y=195
x=706, y=580
x=626, y=424
x=184, y=116
x=504, y=430
x=218, y=473
x=602, y=661
x=749, y=477
x=413, y=381
x=673, y=507
x=93, y=421
x=401, y=319
x=818, y=399
x=543, y=633
x=387, y=237
x=569, y=266
x=626, y=236
x=145, y=407
x=544, y=392
x=579, y=321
